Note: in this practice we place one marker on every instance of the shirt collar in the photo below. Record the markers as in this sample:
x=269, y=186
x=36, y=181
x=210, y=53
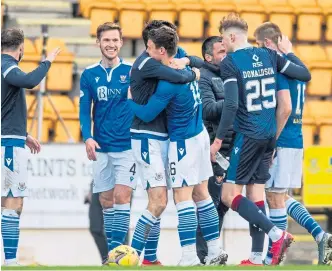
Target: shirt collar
x=9, y=57
x=120, y=62
x=245, y=46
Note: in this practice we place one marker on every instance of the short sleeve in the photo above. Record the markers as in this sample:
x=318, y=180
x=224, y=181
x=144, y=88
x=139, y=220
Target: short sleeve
x=228, y=70
x=282, y=82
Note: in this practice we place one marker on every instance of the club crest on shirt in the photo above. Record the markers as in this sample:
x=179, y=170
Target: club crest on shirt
x=123, y=79
x=22, y=186
x=159, y=176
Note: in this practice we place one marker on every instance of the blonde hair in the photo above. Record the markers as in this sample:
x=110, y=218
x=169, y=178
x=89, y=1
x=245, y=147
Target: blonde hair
x=233, y=20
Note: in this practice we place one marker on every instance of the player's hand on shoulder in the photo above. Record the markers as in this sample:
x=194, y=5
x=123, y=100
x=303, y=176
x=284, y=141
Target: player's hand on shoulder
x=285, y=45
x=91, y=145
x=33, y=144
x=53, y=54
x=197, y=72
x=179, y=63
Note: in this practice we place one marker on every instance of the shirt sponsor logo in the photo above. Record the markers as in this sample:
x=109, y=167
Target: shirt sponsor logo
x=257, y=63
x=104, y=93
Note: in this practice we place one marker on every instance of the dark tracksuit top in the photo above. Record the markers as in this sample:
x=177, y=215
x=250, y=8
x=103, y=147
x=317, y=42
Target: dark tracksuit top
x=144, y=77
x=13, y=103
x=212, y=94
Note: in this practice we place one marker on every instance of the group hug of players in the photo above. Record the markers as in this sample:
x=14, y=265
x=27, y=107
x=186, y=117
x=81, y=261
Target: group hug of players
x=148, y=125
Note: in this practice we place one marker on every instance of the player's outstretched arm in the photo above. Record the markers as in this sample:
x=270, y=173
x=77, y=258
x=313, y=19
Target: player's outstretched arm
x=152, y=68
x=211, y=108
x=284, y=108
x=16, y=77
x=156, y=103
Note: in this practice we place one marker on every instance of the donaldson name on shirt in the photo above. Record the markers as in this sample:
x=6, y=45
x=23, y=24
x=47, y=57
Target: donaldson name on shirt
x=103, y=93
x=258, y=73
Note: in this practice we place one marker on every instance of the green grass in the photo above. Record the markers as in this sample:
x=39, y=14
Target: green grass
x=229, y=267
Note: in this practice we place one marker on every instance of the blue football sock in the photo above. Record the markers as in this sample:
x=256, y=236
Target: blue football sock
x=142, y=231
x=208, y=219
x=279, y=218
x=108, y=220
x=120, y=224
x=187, y=223
x=301, y=215
x=10, y=232
x=151, y=245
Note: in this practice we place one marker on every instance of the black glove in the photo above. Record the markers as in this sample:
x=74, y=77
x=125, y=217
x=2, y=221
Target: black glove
x=218, y=170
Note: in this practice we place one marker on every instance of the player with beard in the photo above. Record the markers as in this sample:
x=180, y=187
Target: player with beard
x=105, y=84
x=14, y=135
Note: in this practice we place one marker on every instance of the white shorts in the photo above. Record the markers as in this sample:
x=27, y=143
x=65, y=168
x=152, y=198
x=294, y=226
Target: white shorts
x=151, y=158
x=114, y=168
x=14, y=171
x=189, y=161
x=286, y=170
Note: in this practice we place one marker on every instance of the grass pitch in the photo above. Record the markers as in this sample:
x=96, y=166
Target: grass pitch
x=171, y=268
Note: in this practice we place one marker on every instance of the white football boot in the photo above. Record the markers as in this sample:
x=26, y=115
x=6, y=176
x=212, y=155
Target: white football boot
x=189, y=261
x=217, y=259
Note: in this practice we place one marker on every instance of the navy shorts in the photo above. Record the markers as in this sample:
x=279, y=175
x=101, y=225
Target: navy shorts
x=250, y=160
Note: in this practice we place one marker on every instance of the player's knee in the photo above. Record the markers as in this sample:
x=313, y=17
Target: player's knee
x=11, y=203
x=227, y=199
x=122, y=196
x=201, y=192
x=255, y=192
x=106, y=199
x=157, y=207
x=275, y=200
x=157, y=201
x=106, y=203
